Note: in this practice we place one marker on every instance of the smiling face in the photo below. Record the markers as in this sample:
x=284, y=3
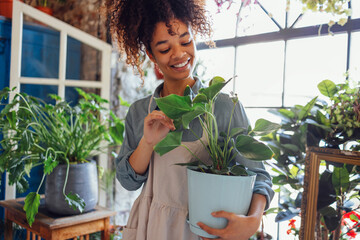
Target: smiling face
x=174, y=53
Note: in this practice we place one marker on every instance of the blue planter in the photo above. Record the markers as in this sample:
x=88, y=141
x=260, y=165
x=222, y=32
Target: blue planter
x=210, y=192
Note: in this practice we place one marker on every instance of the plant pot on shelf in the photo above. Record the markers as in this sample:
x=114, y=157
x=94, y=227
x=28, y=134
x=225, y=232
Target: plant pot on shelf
x=6, y=8
x=82, y=179
x=46, y=10
x=210, y=192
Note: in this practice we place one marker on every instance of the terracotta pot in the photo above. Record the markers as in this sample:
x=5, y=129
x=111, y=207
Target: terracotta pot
x=46, y=10
x=6, y=8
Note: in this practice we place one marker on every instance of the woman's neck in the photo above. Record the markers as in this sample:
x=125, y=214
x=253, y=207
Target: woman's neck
x=176, y=87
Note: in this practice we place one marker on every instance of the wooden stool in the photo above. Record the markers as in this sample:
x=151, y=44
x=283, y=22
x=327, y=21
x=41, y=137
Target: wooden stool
x=53, y=227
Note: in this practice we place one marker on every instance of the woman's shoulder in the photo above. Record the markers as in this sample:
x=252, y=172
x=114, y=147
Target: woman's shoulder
x=140, y=106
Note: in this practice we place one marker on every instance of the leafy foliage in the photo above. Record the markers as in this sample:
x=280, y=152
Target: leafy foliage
x=334, y=124
x=183, y=109
x=37, y=133
x=31, y=207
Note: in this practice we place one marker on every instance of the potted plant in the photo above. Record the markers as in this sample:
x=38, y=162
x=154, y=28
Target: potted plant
x=334, y=123
x=222, y=148
x=60, y=137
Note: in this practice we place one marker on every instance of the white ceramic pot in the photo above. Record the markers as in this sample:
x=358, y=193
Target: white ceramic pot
x=210, y=192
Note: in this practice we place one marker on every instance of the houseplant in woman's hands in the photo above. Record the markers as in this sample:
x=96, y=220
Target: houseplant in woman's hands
x=222, y=148
x=55, y=136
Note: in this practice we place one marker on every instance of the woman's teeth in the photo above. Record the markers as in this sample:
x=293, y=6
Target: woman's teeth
x=181, y=64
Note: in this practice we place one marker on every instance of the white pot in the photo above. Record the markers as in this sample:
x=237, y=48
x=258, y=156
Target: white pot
x=210, y=193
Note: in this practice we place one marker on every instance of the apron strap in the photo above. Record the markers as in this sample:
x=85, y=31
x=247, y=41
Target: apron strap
x=151, y=99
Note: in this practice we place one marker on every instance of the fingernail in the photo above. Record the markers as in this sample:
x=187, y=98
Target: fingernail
x=213, y=213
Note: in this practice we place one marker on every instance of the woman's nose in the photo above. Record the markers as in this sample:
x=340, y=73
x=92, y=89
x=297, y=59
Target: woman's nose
x=178, y=52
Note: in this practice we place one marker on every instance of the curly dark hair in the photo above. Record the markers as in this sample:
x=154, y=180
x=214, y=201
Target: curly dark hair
x=132, y=23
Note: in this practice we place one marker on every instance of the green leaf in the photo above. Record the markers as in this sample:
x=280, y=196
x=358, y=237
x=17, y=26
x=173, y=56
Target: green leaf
x=200, y=98
x=187, y=91
x=170, y=142
x=291, y=147
x=27, y=168
x=340, y=180
x=216, y=80
x=327, y=88
x=174, y=106
x=236, y=131
x=31, y=207
x=252, y=149
x=217, y=83
x=287, y=113
x=354, y=218
x=263, y=127
x=188, y=117
x=75, y=201
x=123, y=102
x=307, y=108
x=49, y=165
x=238, y=170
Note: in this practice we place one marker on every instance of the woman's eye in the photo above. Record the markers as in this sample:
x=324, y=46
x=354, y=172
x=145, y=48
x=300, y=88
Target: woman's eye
x=164, y=51
x=187, y=43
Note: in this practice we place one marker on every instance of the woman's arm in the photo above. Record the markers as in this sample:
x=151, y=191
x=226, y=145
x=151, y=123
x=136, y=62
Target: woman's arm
x=156, y=126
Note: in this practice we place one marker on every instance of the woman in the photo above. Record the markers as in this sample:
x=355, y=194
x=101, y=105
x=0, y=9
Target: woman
x=163, y=29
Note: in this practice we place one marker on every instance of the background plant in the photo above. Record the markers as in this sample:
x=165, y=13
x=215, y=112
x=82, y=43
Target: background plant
x=222, y=146
x=37, y=133
x=333, y=123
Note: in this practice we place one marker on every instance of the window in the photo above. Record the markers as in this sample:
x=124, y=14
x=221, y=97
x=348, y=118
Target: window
x=279, y=58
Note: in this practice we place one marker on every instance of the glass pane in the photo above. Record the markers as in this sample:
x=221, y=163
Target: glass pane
x=217, y=62
x=255, y=21
x=40, y=91
x=221, y=18
x=355, y=57
x=311, y=60
x=40, y=50
x=260, y=74
x=72, y=96
x=355, y=6
x=84, y=61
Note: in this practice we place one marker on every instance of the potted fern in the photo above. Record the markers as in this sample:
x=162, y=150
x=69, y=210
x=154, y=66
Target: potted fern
x=204, y=179
x=61, y=138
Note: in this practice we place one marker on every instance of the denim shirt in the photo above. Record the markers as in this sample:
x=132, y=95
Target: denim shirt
x=134, y=126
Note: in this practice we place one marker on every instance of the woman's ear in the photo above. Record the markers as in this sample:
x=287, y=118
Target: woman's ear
x=150, y=56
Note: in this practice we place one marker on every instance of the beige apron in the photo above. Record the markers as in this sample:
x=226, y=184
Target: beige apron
x=160, y=212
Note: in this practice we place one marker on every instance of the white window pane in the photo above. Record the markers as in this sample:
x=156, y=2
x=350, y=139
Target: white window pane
x=255, y=21
x=355, y=6
x=224, y=21
x=355, y=57
x=260, y=74
x=311, y=60
x=217, y=62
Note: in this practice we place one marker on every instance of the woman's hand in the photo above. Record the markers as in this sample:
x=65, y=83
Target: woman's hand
x=239, y=227
x=156, y=126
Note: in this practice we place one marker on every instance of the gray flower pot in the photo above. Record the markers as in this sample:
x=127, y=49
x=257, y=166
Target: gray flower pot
x=82, y=179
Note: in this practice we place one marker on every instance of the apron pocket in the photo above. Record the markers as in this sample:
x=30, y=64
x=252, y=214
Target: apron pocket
x=129, y=233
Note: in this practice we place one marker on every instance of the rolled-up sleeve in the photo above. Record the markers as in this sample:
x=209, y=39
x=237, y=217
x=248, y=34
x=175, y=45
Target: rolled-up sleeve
x=126, y=175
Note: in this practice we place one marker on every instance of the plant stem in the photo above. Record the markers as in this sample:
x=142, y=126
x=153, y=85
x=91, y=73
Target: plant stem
x=67, y=175
x=42, y=180
x=200, y=140
x=183, y=145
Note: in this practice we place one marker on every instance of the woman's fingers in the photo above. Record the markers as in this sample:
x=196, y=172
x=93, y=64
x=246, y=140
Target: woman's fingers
x=161, y=117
